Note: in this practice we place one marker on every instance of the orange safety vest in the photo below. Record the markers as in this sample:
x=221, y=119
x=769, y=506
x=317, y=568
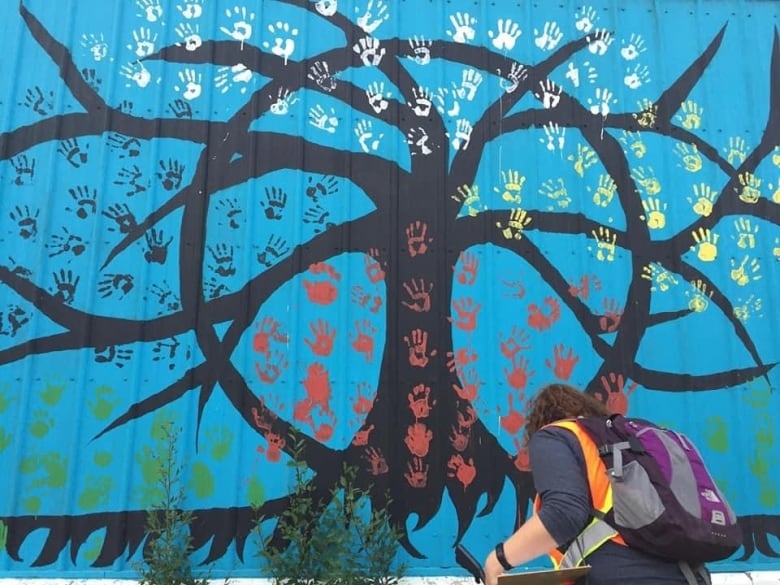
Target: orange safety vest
x=597, y=532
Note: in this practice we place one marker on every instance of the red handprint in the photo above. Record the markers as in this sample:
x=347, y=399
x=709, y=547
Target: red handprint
x=322, y=292
x=468, y=418
x=417, y=341
x=470, y=384
x=459, y=438
x=359, y=296
x=458, y=359
x=275, y=445
x=263, y=418
x=617, y=394
x=416, y=238
x=513, y=421
x=362, y=404
x=467, y=314
x=271, y=369
x=542, y=320
x=613, y=313
x=469, y=264
x=322, y=344
x=374, y=269
x=420, y=295
x=419, y=401
x=302, y=412
x=522, y=460
x=516, y=342
x=361, y=437
x=583, y=290
x=519, y=375
x=418, y=439
x=267, y=330
x=324, y=431
x=417, y=473
x=517, y=290
x=376, y=461
x=462, y=471
x=317, y=385
x=363, y=342
x=563, y=363
x=376, y=304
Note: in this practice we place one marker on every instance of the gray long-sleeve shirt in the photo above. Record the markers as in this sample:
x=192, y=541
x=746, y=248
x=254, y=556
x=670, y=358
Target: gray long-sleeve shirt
x=560, y=478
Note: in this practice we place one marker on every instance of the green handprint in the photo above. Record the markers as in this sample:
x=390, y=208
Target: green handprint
x=5, y=400
x=758, y=397
x=759, y=465
x=150, y=468
x=202, y=481
x=220, y=439
x=255, y=493
x=5, y=439
x=767, y=493
x=29, y=464
x=162, y=425
x=104, y=402
x=96, y=493
x=52, y=394
x=716, y=434
x=765, y=436
x=32, y=504
x=3, y=535
x=41, y=424
x=103, y=459
x=92, y=548
x=55, y=469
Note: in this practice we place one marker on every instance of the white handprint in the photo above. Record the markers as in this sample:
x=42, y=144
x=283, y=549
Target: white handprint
x=191, y=10
x=634, y=47
x=227, y=76
x=585, y=19
x=506, y=36
x=369, y=22
x=96, y=44
x=573, y=73
x=471, y=79
x=370, y=51
x=550, y=93
x=322, y=120
x=319, y=73
x=282, y=102
x=599, y=42
x=555, y=137
x=550, y=36
x=376, y=96
x=601, y=104
x=636, y=77
x=136, y=72
x=242, y=24
x=517, y=73
x=327, y=7
x=284, y=40
x=463, y=129
x=421, y=50
x=144, y=42
x=152, y=10
x=418, y=137
x=190, y=35
x=422, y=101
x=365, y=135
x=444, y=97
x=191, y=80
x=463, y=25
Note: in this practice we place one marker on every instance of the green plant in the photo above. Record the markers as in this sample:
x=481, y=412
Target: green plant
x=333, y=537
x=166, y=556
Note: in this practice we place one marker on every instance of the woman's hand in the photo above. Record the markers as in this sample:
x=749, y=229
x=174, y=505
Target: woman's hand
x=492, y=569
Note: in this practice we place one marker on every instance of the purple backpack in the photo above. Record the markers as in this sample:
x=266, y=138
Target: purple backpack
x=665, y=502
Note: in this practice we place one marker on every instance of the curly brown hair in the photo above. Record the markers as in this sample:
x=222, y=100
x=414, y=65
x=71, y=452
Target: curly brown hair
x=559, y=401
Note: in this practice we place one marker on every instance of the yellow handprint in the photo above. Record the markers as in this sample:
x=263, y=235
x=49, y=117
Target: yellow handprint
x=691, y=159
x=513, y=185
x=661, y=278
x=469, y=197
x=648, y=113
x=744, y=310
x=555, y=189
x=605, y=244
x=707, y=242
x=775, y=192
x=633, y=140
x=746, y=271
x=746, y=233
x=654, y=213
x=776, y=249
x=776, y=156
x=584, y=159
x=690, y=118
x=703, y=199
x=605, y=191
x=518, y=221
x=646, y=179
x=736, y=151
x=751, y=188
x=699, y=296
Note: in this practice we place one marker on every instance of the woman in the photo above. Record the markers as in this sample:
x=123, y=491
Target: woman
x=564, y=500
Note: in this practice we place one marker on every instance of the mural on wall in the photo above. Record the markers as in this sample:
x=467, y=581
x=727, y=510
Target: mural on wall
x=384, y=224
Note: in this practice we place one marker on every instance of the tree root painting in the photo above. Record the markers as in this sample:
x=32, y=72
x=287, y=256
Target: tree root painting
x=382, y=231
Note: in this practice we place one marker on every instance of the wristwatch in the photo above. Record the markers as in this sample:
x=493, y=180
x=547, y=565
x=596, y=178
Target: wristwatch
x=502, y=557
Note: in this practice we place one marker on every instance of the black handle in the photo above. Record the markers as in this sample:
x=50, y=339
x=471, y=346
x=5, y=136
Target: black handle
x=466, y=560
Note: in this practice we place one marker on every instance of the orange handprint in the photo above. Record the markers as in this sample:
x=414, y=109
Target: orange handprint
x=272, y=367
x=470, y=384
x=540, y=319
x=416, y=238
x=522, y=460
x=613, y=313
x=376, y=461
x=469, y=264
x=516, y=342
x=417, y=473
x=563, y=362
x=361, y=437
x=513, y=421
x=322, y=344
x=461, y=470
x=617, y=394
x=317, y=385
x=519, y=374
x=420, y=295
x=374, y=269
x=417, y=341
x=419, y=401
x=467, y=314
x=267, y=330
x=363, y=404
x=322, y=292
x=418, y=439
x=363, y=342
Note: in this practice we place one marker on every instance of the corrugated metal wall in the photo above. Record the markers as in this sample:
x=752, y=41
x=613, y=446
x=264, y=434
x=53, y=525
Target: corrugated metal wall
x=385, y=224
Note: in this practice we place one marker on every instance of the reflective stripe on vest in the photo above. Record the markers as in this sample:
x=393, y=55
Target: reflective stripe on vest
x=597, y=532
